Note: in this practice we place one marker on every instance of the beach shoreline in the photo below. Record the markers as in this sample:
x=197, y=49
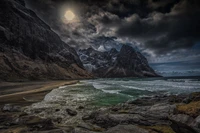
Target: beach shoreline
x=14, y=96
x=157, y=114
x=26, y=93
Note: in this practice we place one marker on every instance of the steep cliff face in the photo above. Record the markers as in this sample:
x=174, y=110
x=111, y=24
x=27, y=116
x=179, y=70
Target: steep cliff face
x=126, y=63
x=29, y=49
x=130, y=63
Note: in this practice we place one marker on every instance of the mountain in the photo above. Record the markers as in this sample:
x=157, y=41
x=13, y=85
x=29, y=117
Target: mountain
x=29, y=49
x=125, y=63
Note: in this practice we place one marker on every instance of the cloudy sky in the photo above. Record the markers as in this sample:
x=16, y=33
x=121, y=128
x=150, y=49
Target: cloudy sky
x=167, y=32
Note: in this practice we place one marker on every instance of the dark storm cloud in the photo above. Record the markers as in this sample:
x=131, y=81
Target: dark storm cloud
x=182, y=30
x=162, y=5
x=162, y=32
x=157, y=27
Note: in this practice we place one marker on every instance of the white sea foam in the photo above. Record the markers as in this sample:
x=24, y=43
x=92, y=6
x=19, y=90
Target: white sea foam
x=61, y=87
x=100, y=85
x=175, y=86
x=133, y=87
x=111, y=91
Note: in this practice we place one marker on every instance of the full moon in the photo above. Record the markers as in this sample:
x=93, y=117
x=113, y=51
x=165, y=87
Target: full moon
x=69, y=15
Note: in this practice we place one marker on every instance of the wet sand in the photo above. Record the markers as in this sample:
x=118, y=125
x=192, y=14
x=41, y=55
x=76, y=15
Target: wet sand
x=25, y=93
x=21, y=94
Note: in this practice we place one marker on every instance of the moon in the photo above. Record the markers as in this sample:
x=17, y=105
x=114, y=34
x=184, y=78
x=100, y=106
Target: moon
x=69, y=15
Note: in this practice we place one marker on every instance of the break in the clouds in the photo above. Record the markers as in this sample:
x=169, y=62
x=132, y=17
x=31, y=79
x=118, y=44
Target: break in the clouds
x=163, y=30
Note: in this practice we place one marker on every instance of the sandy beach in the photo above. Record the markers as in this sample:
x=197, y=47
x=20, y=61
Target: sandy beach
x=25, y=93
x=16, y=95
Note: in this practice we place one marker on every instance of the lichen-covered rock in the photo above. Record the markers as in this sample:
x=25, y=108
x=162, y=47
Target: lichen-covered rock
x=161, y=111
x=182, y=118
x=126, y=129
x=196, y=122
x=191, y=108
x=51, y=131
x=179, y=127
x=159, y=129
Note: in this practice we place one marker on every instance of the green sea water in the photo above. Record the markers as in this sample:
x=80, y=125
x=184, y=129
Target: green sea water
x=106, y=92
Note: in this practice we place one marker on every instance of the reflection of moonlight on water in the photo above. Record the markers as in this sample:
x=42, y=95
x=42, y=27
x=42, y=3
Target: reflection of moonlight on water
x=69, y=15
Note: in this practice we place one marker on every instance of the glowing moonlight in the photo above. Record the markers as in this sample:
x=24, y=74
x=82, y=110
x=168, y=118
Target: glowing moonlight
x=69, y=15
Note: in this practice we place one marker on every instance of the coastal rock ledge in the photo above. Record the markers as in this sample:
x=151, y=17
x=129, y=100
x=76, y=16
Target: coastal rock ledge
x=158, y=114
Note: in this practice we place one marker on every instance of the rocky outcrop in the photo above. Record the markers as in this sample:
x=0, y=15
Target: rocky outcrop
x=126, y=129
x=142, y=116
x=138, y=116
x=125, y=63
x=29, y=49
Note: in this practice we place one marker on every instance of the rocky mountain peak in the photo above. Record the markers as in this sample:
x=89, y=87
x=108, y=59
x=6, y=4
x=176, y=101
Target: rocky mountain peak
x=127, y=48
x=126, y=56
x=125, y=63
x=113, y=51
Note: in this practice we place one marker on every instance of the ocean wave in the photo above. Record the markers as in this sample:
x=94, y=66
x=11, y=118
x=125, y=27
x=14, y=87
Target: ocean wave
x=100, y=86
x=133, y=87
x=111, y=91
x=62, y=87
x=184, y=80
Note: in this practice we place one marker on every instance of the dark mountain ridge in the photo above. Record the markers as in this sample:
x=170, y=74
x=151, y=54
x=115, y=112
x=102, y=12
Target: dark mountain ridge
x=29, y=49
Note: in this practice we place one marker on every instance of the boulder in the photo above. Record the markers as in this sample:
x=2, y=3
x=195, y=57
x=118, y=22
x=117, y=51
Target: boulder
x=161, y=111
x=196, y=122
x=51, y=131
x=71, y=112
x=126, y=129
x=182, y=128
x=183, y=118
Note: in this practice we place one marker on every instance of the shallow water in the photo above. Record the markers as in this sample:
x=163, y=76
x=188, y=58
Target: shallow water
x=113, y=91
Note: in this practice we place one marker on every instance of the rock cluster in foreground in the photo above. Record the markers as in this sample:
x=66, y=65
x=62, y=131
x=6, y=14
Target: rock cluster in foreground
x=159, y=114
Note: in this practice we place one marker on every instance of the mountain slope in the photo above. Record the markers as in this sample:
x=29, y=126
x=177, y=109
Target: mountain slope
x=126, y=63
x=29, y=49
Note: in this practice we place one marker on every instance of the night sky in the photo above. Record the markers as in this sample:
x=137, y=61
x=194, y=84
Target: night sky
x=167, y=32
